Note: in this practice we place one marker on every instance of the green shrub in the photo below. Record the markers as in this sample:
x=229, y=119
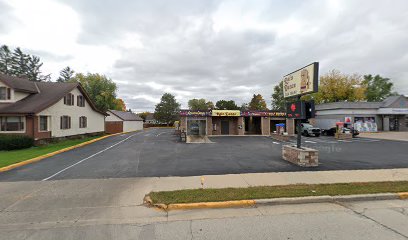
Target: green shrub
x=12, y=142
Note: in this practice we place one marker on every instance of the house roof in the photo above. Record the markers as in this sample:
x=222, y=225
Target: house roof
x=126, y=116
x=150, y=116
x=47, y=94
x=390, y=100
x=20, y=84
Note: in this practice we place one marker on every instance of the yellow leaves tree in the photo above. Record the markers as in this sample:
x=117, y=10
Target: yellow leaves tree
x=336, y=86
x=120, y=104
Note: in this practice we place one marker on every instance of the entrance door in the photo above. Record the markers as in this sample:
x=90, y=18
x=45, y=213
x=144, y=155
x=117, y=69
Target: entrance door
x=225, y=127
x=394, y=123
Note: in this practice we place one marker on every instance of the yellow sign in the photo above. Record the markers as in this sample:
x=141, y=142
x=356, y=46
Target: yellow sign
x=226, y=113
x=302, y=81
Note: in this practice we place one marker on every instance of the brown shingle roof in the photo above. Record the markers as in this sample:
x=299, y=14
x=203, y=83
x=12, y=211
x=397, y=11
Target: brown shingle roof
x=18, y=83
x=48, y=93
x=126, y=116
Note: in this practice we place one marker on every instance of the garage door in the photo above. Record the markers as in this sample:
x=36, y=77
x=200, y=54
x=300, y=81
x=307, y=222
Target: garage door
x=113, y=127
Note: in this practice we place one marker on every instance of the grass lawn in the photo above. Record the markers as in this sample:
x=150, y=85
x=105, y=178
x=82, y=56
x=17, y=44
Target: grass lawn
x=298, y=190
x=15, y=156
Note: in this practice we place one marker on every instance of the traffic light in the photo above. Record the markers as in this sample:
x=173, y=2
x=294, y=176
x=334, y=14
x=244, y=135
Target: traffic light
x=310, y=109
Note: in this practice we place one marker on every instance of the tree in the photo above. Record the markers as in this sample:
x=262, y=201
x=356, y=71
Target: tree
x=377, y=88
x=257, y=103
x=5, y=60
x=226, y=105
x=210, y=105
x=167, y=111
x=119, y=105
x=278, y=100
x=244, y=107
x=197, y=104
x=66, y=74
x=101, y=90
x=336, y=86
x=19, y=64
x=143, y=115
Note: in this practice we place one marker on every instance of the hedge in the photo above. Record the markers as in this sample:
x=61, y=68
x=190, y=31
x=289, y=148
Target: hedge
x=13, y=142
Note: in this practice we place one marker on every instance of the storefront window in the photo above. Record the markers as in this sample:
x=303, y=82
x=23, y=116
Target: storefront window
x=196, y=127
x=365, y=124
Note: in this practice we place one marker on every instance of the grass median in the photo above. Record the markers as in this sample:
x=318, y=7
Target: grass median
x=265, y=192
x=15, y=156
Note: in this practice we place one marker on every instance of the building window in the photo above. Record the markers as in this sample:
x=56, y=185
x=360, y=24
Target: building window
x=80, y=101
x=43, y=123
x=12, y=124
x=82, y=122
x=5, y=93
x=65, y=122
x=69, y=99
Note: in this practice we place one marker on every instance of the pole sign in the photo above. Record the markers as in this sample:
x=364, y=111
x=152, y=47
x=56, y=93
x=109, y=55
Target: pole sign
x=296, y=110
x=302, y=81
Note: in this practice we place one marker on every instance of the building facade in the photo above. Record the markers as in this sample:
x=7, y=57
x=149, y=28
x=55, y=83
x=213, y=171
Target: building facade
x=388, y=115
x=233, y=122
x=44, y=110
x=122, y=121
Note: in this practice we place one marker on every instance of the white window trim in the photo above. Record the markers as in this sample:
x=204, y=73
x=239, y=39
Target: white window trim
x=48, y=123
x=22, y=131
x=11, y=96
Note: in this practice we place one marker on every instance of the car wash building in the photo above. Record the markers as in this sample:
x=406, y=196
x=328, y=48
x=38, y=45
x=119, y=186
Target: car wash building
x=233, y=122
x=388, y=115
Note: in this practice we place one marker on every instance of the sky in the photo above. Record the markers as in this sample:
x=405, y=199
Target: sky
x=225, y=49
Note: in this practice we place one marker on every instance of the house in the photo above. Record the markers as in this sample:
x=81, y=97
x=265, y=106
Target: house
x=150, y=119
x=120, y=121
x=45, y=110
x=388, y=115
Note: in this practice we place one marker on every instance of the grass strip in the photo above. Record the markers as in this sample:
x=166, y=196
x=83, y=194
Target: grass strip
x=10, y=157
x=264, y=192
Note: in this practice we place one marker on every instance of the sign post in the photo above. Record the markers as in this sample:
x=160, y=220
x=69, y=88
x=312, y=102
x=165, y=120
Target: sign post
x=300, y=82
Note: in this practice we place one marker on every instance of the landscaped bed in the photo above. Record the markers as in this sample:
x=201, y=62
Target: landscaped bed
x=298, y=190
x=10, y=157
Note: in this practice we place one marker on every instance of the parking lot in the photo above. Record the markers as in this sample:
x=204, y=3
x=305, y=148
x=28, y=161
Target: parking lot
x=158, y=153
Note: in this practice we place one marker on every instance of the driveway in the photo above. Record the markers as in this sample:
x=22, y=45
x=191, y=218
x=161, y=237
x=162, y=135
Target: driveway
x=157, y=153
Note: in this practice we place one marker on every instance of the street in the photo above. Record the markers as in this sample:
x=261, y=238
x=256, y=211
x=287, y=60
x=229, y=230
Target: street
x=158, y=153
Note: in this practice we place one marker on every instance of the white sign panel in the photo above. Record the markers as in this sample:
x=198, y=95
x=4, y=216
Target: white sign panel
x=302, y=81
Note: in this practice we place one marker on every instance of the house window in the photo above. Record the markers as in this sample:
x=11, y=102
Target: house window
x=69, y=99
x=65, y=122
x=82, y=122
x=11, y=124
x=80, y=101
x=43, y=123
x=5, y=93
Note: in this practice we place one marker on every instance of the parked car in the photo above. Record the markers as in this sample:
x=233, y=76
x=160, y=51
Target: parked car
x=332, y=131
x=309, y=130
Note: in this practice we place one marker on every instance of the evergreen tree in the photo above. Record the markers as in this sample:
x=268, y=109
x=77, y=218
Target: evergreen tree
x=66, y=75
x=19, y=63
x=257, y=103
x=5, y=60
x=167, y=110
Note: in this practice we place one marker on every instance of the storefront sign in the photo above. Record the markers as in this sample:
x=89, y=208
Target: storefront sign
x=194, y=113
x=302, y=81
x=262, y=114
x=347, y=120
x=226, y=113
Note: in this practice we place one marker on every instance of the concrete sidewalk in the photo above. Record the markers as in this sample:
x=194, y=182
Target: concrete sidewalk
x=279, y=178
x=399, y=136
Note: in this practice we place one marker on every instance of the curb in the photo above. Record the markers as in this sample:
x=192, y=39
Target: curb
x=279, y=201
x=39, y=158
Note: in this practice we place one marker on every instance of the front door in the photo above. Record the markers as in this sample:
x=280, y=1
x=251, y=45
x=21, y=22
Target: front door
x=224, y=127
x=394, y=123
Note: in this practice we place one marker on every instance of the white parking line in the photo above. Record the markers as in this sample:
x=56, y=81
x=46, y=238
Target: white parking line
x=275, y=143
x=93, y=155
x=309, y=141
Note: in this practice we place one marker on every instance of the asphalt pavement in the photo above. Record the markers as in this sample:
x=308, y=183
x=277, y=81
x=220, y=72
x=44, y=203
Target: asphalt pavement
x=158, y=153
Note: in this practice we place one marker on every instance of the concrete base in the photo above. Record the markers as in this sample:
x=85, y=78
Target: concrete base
x=282, y=138
x=343, y=136
x=304, y=157
x=198, y=139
